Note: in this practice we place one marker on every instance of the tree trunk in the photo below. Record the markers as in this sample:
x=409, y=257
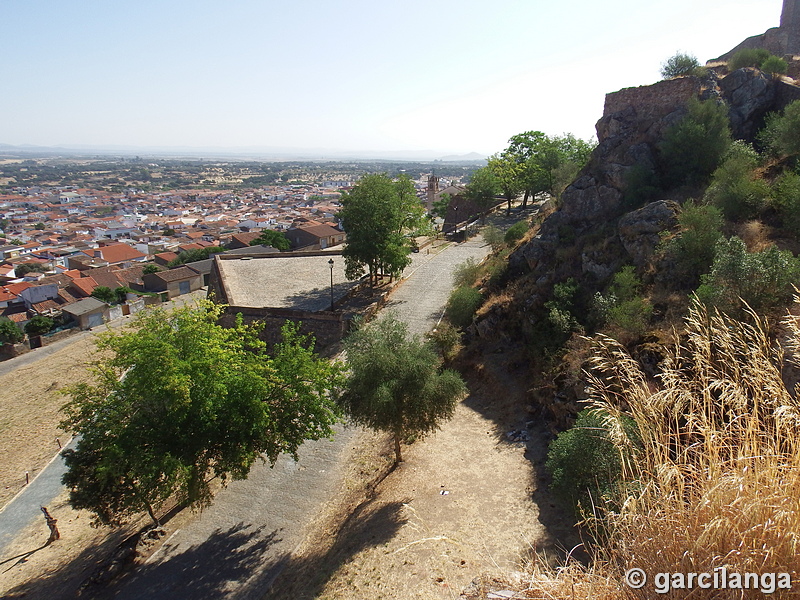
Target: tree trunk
x=51, y=523
x=152, y=514
x=398, y=457
x=525, y=199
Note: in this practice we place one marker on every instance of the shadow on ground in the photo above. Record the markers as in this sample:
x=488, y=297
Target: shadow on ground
x=370, y=525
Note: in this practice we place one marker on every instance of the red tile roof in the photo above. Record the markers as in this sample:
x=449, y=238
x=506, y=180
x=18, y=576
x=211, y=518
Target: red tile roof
x=117, y=253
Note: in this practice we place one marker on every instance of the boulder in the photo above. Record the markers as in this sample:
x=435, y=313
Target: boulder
x=639, y=230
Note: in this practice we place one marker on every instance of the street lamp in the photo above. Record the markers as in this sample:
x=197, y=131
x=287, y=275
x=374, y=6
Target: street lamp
x=330, y=264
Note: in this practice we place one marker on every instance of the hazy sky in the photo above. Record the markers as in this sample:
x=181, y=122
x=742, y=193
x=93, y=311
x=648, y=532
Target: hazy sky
x=452, y=76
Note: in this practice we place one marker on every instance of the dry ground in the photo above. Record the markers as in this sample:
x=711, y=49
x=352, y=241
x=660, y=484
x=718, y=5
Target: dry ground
x=465, y=502
x=29, y=413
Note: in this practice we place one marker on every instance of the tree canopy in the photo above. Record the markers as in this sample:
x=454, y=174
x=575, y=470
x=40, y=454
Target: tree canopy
x=9, y=332
x=180, y=399
x=482, y=189
x=380, y=215
x=546, y=164
x=395, y=384
x=270, y=237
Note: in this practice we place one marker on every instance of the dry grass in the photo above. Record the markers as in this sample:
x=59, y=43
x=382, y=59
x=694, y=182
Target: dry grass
x=712, y=480
x=756, y=235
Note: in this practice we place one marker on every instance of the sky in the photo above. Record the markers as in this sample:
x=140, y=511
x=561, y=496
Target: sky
x=433, y=76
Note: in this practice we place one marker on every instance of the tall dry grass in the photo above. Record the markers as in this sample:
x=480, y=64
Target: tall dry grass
x=713, y=478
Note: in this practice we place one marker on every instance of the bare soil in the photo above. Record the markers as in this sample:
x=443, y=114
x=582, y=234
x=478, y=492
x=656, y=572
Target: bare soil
x=30, y=403
x=464, y=503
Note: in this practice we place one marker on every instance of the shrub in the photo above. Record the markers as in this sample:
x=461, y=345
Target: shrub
x=467, y=273
x=104, y=294
x=584, y=464
x=786, y=192
x=781, y=134
x=623, y=307
x=516, y=232
x=775, y=65
x=734, y=188
x=38, y=325
x=694, y=147
x=151, y=268
x=493, y=236
x=446, y=339
x=693, y=248
x=749, y=57
x=763, y=280
x=462, y=304
x=680, y=65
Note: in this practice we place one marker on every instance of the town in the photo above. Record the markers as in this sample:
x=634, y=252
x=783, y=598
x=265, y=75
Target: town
x=84, y=241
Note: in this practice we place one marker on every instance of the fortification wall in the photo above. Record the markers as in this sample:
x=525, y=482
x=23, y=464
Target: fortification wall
x=653, y=101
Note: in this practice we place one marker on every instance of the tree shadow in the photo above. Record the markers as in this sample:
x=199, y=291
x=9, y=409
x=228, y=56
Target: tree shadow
x=22, y=557
x=319, y=298
x=226, y=560
x=303, y=578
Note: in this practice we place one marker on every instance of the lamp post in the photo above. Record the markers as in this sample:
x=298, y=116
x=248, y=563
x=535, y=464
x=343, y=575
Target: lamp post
x=330, y=264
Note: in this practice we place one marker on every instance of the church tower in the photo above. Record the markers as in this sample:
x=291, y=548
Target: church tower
x=433, y=189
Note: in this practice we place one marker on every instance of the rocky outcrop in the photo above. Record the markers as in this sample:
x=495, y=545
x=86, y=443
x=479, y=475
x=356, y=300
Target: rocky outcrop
x=639, y=230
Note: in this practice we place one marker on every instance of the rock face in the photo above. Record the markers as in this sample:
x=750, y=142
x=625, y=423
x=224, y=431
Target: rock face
x=639, y=230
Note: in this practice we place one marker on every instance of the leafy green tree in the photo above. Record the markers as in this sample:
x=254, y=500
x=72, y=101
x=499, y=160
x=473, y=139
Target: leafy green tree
x=9, y=332
x=38, y=325
x=169, y=231
x=195, y=255
x=151, y=268
x=506, y=171
x=23, y=269
x=121, y=294
x=695, y=146
x=269, y=237
x=786, y=192
x=380, y=215
x=395, y=384
x=441, y=205
x=482, y=190
x=735, y=189
x=39, y=226
x=541, y=157
x=104, y=294
x=680, y=65
x=179, y=400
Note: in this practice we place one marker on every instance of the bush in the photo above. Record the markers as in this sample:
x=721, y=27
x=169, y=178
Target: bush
x=693, y=248
x=493, y=236
x=781, y=134
x=775, y=65
x=786, y=193
x=446, y=339
x=467, y=273
x=749, y=57
x=695, y=146
x=462, y=304
x=681, y=65
x=763, y=280
x=584, y=464
x=516, y=232
x=38, y=325
x=623, y=306
x=734, y=187
x=104, y=294
x=151, y=268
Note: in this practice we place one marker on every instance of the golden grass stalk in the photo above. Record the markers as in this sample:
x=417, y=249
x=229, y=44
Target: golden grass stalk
x=713, y=478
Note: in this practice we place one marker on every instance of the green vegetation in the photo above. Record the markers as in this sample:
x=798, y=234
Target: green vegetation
x=735, y=189
x=693, y=148
x=482, y=189
x=23, y=269
x=585, y=465
x=38, y=325
x=780, y=134
x=748, y=57
x=151, y=268
x=395, y=384
x=786, y=200
x=516, y=232
x=775, y=65
x=269, y=237
x=179, y=400
x=693, y=248
x=467, y=273
x=380, y=215
x=464, y=301
x=9, y=332
x=681, y=65
x=104, y=294
x=195, y=255
x=761, y=280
